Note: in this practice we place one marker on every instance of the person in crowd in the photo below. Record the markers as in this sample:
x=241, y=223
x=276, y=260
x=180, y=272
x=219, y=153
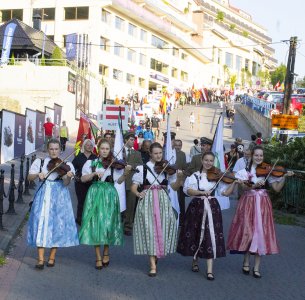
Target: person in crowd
x=232, y=156
x=196, y=162
x=252, y=229
x=51, y=210
x=195, y=149
x=81, y=188
x=63, y=135
x=177, y=124
x=140, y=128
x=145, y=151
x=259, y=139
x=134, y=159
x=182, y=100
x=202, y=232
x=101, y=223
x=148, y=134
x=192, y=121
x=155, y=125
x=48, y=132
x=155, y=226
x=140, y=139
x=242, y=162
x=253, y=142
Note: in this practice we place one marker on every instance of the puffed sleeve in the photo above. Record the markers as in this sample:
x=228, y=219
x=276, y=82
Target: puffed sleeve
x=71, y=167
x=35, y=167
x=222, y=186
x=242, y=174
x=137, y=178
x=190, y=183
x=272, y=179
x=87, y=168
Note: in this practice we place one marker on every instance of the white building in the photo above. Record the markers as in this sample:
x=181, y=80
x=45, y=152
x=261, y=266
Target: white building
x=143, y=45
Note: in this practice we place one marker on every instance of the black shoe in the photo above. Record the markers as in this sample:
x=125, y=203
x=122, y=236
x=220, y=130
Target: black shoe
x=210, y=276
x=99, y=267
x=152, y=273
x=246, y=270
x=256, y=274
x=195, y=267
x=51, y=265
x=39, y=266
x=105, y=264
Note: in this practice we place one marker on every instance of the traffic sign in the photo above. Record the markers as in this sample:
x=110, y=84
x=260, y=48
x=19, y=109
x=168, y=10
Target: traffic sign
x=285, y=121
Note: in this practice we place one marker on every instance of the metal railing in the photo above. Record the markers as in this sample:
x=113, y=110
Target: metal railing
x=261, y=106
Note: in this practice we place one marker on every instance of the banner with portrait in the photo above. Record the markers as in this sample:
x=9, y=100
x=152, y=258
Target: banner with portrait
x=19, y=141
x=40, y=120
x=81, y=96
x=71, y=82
x=7, y=136
x=30, y=131
x=57, y=114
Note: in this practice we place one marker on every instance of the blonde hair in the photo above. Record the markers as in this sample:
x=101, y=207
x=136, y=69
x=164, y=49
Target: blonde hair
x=84, y=143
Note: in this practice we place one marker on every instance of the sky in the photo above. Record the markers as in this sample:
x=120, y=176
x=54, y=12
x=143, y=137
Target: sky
x=282, y=19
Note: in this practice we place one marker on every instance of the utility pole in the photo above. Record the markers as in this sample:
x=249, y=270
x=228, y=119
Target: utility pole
x=289, y=75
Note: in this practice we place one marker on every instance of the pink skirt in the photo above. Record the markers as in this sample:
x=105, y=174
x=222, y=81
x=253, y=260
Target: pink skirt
x=252, y=228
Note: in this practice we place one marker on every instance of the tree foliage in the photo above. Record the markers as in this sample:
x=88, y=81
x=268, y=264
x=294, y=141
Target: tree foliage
x=232, y=80
x=57, y=58
x=220, y=16
x=278, y=75
x=301, y=83
x=264, y=77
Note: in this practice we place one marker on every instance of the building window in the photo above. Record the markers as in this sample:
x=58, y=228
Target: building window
x=141, y=82
x=119, y=23
x=131, y=55
x=118, y=49
x=103, y=70
x=50, y=37
x=246, y=64
x=142, y=59
x=118, y=74
x=176, y=52
x=239, y=62
x=130, y=78
x=159, y=43
x=219, y=58
x=8, y=14
x=159, y=66
x=47, y=14
x=184, y=76
x=132, y=30
x=106, y=16
x=104, y=44
x=229, y=59
x=254, y=68
x=77, y=13
x=143, y=35
x=175, y=72
x=184, y=56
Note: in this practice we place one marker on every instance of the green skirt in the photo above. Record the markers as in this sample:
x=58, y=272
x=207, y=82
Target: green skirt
x=101, y=221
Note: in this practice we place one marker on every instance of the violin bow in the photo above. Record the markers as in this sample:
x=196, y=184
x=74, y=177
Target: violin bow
x=157, y=176
x=271, y=170
x=222, y=176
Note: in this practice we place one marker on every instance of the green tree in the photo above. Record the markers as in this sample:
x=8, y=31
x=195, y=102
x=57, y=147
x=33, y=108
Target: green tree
x=43, y=61
x=233, y=79
x=57, y=57
x=245, y=33
x=12, y=60
x=232, y=27
x=226, y=72
x=220, y=16
x=301, y=83
x=278, y=75
x=243, y=77
x=249, y=78
x=264, y=77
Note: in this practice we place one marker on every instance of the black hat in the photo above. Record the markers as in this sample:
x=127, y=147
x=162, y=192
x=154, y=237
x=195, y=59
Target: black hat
x=129, y=135
x=205, y=140
x=173, y=135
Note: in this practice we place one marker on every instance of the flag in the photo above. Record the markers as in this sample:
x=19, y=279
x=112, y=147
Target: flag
x=217, y=149
x=277, y=85
x=71, y=46
x=170, y=153
x=7, y=42
x=118, y=152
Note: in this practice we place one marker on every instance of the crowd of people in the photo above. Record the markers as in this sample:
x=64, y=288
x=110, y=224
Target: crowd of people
x=152, y=185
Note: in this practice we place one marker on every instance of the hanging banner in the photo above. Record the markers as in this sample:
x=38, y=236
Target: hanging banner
x=71, y=46
x=110, y=117
x=40, y=117
x=30, y=127
x=81, y=96
x=57, y=114
x=71, y=82
x=7, y=134
x=7, y=42
x=19, y=142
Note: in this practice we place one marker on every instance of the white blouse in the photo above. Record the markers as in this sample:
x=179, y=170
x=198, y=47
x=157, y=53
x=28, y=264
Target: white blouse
x=137, y=178
x=245, y=175
x=204, y=184
x=35, y=168
x=87, y=169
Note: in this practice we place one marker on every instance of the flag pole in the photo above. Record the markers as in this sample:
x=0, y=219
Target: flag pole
x=216, y=128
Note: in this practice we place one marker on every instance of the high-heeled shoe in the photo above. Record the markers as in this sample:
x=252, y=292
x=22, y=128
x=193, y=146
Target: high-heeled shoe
x=246, y=270
x=210, y=276
x=51, y=265
x=256, y=274
x=99, y=267
x=152, y=273
x=105, y=264
x=39, y=266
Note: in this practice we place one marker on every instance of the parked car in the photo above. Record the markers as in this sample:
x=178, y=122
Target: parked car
x=296, y=105
x=260, y=94
x=269, y=96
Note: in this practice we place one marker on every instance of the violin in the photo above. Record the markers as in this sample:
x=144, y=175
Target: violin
x=264, y=169
x=214, y=174
x=59, y=165
x=170, y=169
x=120, y=164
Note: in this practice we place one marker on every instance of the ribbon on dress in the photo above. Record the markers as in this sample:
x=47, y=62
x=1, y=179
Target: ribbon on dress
x=207, y=212
x=258, y=242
